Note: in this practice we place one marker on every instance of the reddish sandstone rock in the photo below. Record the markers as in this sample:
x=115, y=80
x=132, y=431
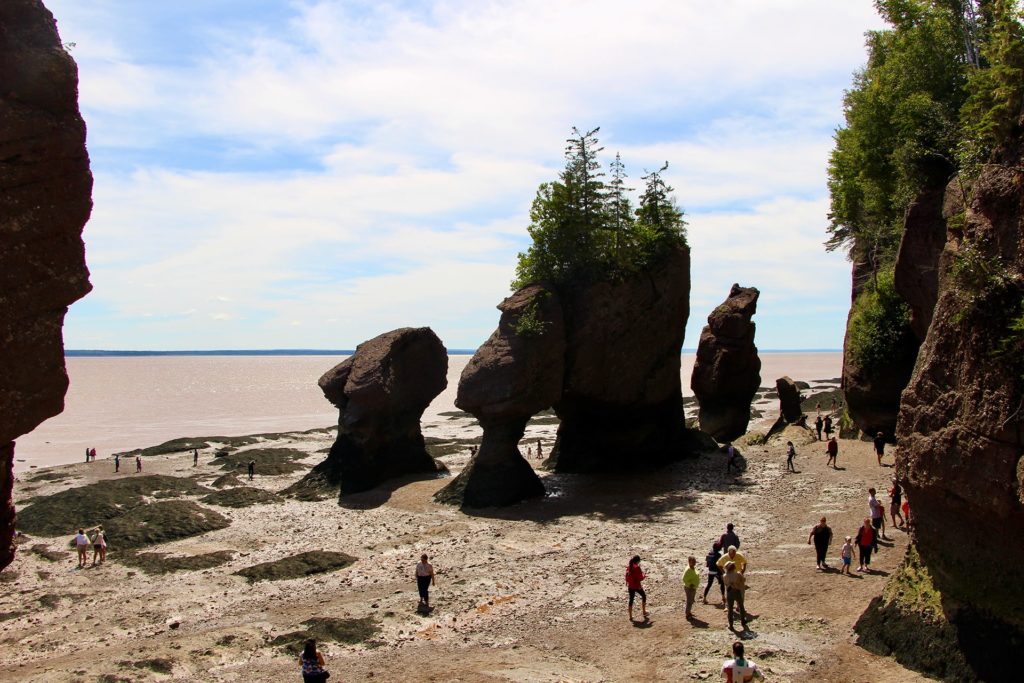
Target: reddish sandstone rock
x=45, y=200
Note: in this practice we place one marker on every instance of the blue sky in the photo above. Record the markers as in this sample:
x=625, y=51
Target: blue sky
x=275, y=174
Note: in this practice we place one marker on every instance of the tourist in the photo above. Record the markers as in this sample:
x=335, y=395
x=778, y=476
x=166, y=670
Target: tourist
x=312, y=663
x=82, y=545
x=835, y=406
x=87, y=454
x=735, y=590
x=738, y=669
x=821, y=534
x=195, y=457
x=832, y=449
x=846, y=555
x=817, y=408
x=714, y=573
x=734, y=556
x=907, y=522
x=138, y=463
x=252, y=469
x=93, y=454
x=828, y=426
x=879, y=447
x=117, y=463
x=99, y=546
x=790, y=454
x=818, y=424
x=424, y=580
x=691, y=581
x=634, y=580
x=540, y=452
x=865, y=542
x=877, y=515
x=729, y=537
x=733, y=458
x=895, y=500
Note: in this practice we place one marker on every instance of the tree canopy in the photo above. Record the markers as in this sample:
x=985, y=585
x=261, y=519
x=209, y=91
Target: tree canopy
x=586, y=229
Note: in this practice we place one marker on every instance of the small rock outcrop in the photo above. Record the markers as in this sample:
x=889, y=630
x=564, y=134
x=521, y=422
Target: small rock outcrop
x=515, y=374
x=45, y=200
x=727, y=371
x=790, y=409
x=381, y=392
x=621, y=404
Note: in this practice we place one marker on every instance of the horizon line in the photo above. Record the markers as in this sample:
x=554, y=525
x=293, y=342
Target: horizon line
x=86, y=353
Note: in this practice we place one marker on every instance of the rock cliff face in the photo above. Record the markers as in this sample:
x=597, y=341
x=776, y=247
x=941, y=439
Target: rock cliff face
x=381, y=392
x=727, y=371
x=621, y=404
x=45, y=200
x=515, y=374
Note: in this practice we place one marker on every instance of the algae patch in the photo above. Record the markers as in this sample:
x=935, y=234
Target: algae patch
x=241, y=497
x=328, y=630
x=303, y=564
x=269, y=461
x=164, y=563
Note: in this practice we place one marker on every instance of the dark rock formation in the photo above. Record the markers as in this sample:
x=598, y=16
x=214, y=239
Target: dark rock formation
x=789, y=400
x=381, y=392
x=515, y=374
x=45, y=200
x=726, y=373
x=621, y=403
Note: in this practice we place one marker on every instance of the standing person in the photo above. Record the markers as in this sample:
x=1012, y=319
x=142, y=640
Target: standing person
x=818, y=424
x=734, y=557
x=828, y=426
x=821, y=534
x=117, y=463
x=728, y=538
x=832, y=448
x=540, y=451
x=138, y=463
x=82, y=545
x=879, y=442
x=865, y=542
x=424, y=580
x=195, y=457
x=312, y=663
x=99, y=545
x=634, y=578
x=252, y=469
x=87, y=452
x=691, y=581
x=714, y=573
x=735, y=590
x=790, y=454
x=733, y=458
x=93, y=454
x=895, y=500
x=846, y=555
x=738, y=669
x=907, y=522
x=877, y=515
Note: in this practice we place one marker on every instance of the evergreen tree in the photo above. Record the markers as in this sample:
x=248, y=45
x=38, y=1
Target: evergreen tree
x=620, y=209
x=659, y=222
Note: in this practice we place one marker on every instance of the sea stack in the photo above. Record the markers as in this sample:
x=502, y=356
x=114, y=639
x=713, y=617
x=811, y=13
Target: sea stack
x=381, y=392
x=727, y=370
x=45, y=200
x=515, y=374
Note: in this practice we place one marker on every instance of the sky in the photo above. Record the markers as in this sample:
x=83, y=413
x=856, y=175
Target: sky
x=309, y=174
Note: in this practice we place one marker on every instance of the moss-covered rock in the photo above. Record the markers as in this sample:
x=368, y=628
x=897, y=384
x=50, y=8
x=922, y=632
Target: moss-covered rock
x=295, y=566
x=330, y=630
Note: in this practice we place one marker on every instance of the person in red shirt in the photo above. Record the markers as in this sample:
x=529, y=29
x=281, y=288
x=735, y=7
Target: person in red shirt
x=865, y=540
x=634, y=577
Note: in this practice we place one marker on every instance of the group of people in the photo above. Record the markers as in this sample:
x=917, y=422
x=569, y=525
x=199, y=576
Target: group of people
x=90, y=454
x=98, y=543
x=117, y=462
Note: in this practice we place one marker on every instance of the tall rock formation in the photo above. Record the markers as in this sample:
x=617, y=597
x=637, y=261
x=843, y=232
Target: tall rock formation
x=381, y=392
x=515, y=374
x=621, y=404
x=727, y=370
x=45, y=200
x=961, y=436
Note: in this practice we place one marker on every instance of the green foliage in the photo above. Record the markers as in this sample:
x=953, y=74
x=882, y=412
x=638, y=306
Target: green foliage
x=879, y=328
x=529, y=323
x=584, y=229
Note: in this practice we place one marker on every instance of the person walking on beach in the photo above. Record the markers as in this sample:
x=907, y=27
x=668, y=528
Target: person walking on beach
x=738, y=669
x=818, y=423
x=832, y=449
x=735, y=590
x=846, y=555
x=195, y=457
x=828, y=426
x=733, y=458
x=424, y=580
x=733, y=556
x=691, y=582
x=877, y=515
x=117, y=463
x=865, y=542
x=82, y=545
x=312, y=663
x=790, y=454
x=728, y=538
x=895, y=500
x=821, y=535
x=634, y=583
x=879, y=443
x=99, y=546
x=714, y=573
x=252, y=469
x=138, y=463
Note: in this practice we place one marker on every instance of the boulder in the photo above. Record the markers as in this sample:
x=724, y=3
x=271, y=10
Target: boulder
x=515, y=374
x=45, y=200
x=789, y=400
x=727, y=370
x=621, y=404
x=381, y=392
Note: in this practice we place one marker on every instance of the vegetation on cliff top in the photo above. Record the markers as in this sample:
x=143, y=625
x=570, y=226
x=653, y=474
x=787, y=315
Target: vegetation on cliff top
x=585, y=229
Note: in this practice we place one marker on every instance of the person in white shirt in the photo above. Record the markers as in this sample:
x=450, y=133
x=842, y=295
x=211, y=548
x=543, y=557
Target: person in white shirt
x=738, y=669
x=82, y=544
x=424, y=580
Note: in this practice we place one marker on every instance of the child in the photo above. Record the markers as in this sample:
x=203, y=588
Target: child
x=846, y=554
x=634, y=577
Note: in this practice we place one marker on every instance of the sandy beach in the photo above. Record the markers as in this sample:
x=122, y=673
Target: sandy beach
x=533, y=592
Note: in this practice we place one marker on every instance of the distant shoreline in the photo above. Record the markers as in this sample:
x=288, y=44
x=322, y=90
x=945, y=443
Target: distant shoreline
x=105, y=353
